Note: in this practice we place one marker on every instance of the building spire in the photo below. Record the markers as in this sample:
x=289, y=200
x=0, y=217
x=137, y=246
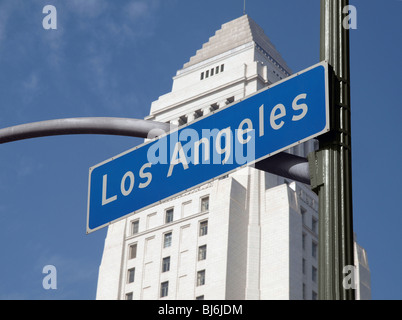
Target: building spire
x=244, y=7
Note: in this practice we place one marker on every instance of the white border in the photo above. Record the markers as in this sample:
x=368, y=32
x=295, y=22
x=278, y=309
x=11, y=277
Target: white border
x=325, y=130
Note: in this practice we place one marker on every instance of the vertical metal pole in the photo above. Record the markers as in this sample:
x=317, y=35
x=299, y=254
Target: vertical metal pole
x=330, y=166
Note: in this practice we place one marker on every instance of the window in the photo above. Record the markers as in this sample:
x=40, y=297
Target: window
x=198, y=113
x=314, y=249
x=314, y=225
x=169, y=215
x=134, y=226
x=166, y=264
x=182, y=120
x=229, y=100
x=204, y=204
x=131, y=275
x=304, y=266
x=314, y=296
x=129, y=296
x=202, y=252
x=200, y=297
x=222, y=67
x=304, y=241
x=211, y=72
x=304, y=292
x=303, y=214
x=132, y=251
x=214, y=107
x=203, y=228
x=200, y=278
x=314, y=274
x=167, y=240
x=164, y=289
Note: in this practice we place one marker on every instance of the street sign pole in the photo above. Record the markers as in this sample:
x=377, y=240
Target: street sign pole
x=330, y=166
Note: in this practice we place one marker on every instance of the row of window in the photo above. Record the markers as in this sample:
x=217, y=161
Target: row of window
x=167, y=241
x=169, y=215
x=202, y=255
x=211, y=72
x=199, y=113
x=164, y=290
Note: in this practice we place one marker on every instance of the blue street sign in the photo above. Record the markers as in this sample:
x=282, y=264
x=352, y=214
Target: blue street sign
x=274, y=119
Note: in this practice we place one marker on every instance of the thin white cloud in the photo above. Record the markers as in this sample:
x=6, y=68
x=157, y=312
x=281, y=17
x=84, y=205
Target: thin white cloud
x=138, y=9
x=107, y=34
x=31, y=83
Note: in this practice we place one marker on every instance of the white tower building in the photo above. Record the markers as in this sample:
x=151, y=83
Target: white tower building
x=248, y=235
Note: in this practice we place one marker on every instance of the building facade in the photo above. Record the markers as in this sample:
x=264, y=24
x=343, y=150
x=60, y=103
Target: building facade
x=247, y=235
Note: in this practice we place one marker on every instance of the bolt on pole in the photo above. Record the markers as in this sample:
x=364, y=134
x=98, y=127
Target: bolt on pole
x=330, y=166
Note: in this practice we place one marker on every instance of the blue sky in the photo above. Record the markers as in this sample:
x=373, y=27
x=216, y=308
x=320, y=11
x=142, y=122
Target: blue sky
x=113, y=58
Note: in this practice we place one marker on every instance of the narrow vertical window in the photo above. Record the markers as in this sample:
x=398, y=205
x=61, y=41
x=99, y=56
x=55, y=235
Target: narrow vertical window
x=303, y=214
x=222, y=67
x=167, y=240
x=314, y=274
x=212, y=72
x=202, y=75
x=204, y=204
x=217, y=69
x=314, y=249
x=135, y=226
x=132, y=251
x=203, y=228
x=129, y=296
x=200, y=278
x=164, y=289
x=202, y=252
x=169, y=215
x=131, y=275
x=166, y=264
x=314, y=225
x=207, y=74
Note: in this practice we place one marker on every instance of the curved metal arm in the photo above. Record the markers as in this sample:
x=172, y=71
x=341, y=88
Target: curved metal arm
x=92, y=125
x=286, y=165
x=283, y=164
